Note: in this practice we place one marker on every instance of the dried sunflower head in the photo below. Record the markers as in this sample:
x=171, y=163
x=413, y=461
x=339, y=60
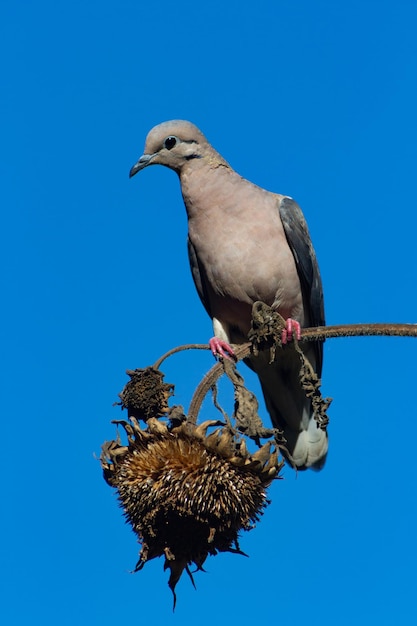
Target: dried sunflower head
x=146, y=395
x=187, y=493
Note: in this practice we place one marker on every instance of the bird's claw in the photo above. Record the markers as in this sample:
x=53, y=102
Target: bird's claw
x=292, y=327
x=221, y=348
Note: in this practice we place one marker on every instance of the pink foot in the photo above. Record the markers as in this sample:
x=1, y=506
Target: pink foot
x=292, y=327
x=219, y=347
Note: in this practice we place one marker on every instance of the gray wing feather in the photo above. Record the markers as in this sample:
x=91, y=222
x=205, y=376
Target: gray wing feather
x=298, y=238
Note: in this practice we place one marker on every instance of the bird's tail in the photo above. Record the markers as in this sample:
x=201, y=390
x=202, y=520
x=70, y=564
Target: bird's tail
x=291, y=411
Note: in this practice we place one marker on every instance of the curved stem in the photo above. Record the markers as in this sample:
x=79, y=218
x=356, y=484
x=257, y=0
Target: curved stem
x=210, y=379
x=188, y=346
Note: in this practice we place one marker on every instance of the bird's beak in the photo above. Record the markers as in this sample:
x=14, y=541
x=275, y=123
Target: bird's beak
x=144, y=160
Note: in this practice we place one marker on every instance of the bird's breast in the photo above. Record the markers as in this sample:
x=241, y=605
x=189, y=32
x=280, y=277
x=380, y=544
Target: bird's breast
x=243, y=252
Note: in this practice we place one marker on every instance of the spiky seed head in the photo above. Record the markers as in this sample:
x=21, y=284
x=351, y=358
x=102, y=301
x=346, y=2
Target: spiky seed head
x=187, y=494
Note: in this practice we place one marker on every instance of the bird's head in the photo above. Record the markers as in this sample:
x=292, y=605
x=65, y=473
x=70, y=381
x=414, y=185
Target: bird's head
x=172, y=144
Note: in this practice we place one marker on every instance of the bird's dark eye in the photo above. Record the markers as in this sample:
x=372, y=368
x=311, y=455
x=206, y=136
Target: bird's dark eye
x=170, y=142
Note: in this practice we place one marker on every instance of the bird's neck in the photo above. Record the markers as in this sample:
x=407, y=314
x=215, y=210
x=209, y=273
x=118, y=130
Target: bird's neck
x=206, y=184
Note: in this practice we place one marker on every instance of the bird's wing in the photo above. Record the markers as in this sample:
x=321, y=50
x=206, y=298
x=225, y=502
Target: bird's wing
x=298, y=238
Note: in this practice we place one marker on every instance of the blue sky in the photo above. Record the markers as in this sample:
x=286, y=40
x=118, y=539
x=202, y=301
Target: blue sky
x=315, y=100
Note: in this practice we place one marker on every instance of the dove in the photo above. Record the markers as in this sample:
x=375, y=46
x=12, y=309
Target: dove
x=247, y=244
